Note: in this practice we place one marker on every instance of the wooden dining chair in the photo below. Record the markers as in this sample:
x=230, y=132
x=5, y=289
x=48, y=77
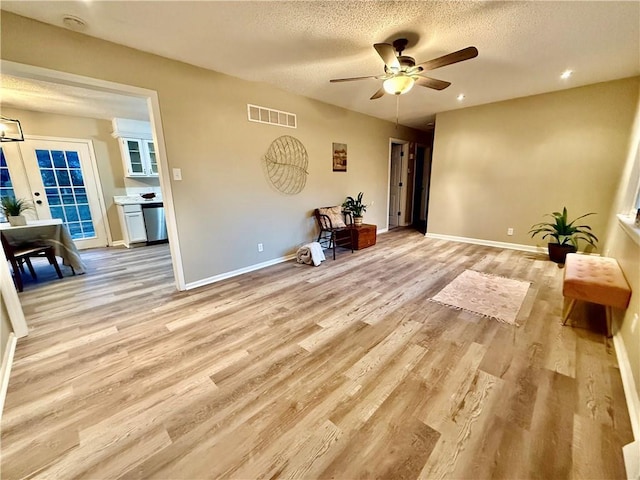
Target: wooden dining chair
x=18, y=255
x=334, y=231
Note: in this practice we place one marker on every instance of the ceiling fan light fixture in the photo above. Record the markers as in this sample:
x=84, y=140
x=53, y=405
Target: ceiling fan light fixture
x=398, y=85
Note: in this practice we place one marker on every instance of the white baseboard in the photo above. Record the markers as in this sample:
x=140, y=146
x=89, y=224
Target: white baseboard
x=382, y=230
x=629, y=385
x=631, y=453
x=240, y=271
x=488, y=243
x=117, y=243
x=5, y=370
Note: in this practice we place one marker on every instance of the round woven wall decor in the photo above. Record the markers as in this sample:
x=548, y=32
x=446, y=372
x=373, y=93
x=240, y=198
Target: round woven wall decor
x=287, y=163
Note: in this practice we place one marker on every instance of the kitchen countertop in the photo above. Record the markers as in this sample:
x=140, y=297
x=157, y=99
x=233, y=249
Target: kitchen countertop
x=135, y=199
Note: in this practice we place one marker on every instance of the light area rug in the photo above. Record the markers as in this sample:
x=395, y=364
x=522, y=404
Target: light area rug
x=485, y=294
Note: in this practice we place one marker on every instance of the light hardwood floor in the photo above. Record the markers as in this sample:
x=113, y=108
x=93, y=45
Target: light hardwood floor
x=344, y=371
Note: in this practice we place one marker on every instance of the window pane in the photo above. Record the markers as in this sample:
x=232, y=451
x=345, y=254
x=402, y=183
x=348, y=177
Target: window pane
x=76, y=177
x=87, y=228
x=44, y=160
x=57, y=212
x=63, y=178
x=5, y=181
x=71, y=213
x=75, y=230
x=54, y=199
x=48, y=179
x=85, y=213
x=73, y=160
x=58, y=159
x=6, y=188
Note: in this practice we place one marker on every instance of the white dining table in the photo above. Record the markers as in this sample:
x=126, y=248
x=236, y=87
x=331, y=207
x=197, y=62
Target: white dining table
x=46, y=232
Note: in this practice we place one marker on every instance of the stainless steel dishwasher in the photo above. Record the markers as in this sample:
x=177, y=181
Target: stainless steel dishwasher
x=154, y=222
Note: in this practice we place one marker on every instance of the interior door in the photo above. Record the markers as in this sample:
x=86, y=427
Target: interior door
x=63, y=185
x=395, y=185
x=421, y=191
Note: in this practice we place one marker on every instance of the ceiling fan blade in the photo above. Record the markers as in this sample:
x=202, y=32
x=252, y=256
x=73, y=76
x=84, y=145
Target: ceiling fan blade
x=378, y=94
x=432, y=83
x=388, y=55
x=455, y=57
x=352, y=79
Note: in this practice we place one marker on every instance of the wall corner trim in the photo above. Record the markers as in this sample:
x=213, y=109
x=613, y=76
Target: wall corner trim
x=5, y=369
x=488, y=243
x=240, y=271
x=628, y=384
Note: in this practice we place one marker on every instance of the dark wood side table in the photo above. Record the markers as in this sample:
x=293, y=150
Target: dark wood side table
x=363, y=236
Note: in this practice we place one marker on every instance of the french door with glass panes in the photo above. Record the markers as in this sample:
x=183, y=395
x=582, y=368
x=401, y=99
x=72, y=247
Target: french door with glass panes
x=64, y=185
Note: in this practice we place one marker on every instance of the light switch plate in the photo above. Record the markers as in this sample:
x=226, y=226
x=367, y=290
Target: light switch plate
x=177, y=174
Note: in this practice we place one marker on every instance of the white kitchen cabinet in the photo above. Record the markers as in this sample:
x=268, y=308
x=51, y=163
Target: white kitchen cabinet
x=139, y=157
x=132, y=224
x=136, y=147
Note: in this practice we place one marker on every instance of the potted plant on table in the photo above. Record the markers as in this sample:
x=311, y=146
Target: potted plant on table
x=356, y=207
x=13, y=207
x=564, y=234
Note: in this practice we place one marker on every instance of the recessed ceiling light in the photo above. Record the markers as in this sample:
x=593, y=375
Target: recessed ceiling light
x=460, y=97
x=566, y=74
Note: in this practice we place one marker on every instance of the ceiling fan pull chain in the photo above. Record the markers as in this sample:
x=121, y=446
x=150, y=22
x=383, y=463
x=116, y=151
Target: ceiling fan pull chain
x=397, y=109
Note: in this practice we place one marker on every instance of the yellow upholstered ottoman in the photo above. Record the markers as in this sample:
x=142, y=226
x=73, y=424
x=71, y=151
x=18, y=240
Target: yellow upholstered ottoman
x=597, y=280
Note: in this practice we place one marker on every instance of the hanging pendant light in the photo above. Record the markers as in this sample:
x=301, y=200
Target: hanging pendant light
x=10, y=130
x=398, y=85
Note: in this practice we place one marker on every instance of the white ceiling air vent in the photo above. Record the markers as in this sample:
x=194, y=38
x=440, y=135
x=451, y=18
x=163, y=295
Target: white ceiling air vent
x=259, y=114
x=74, y=23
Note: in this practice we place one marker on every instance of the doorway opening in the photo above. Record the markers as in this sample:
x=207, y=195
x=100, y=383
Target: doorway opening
x=90, y=218
x=422, y=179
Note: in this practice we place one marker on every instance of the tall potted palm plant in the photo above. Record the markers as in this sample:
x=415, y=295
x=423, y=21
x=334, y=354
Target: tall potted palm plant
x=563, y=234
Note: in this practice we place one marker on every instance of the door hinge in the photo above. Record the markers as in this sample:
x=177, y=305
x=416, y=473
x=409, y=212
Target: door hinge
x=401, y=153
x=400, y=184
x=399, y=213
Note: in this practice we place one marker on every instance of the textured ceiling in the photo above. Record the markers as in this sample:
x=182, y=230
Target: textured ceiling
x=29, y=94
x=298, y=46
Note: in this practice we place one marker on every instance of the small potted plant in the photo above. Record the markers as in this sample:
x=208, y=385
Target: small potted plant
x=12, y=208
x=356, y=207
x=565, y=234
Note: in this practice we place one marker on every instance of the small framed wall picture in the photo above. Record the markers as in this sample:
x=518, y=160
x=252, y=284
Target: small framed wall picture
x=339, y=157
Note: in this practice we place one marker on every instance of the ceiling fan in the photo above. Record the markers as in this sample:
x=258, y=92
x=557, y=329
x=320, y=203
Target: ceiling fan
x=401, y=72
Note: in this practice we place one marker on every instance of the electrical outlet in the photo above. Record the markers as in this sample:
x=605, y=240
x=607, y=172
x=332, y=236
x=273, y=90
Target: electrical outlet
x=509, y=231
x=260, y=247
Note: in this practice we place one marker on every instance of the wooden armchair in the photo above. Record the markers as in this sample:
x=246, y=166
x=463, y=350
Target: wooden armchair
x=331, y=221
x=18, y=255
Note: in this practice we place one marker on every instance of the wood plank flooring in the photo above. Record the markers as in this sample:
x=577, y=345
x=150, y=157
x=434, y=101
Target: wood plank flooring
x=343, y=371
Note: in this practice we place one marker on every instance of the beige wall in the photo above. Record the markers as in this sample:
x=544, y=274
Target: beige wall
x=627, y=252
x=625, y=247
x=506, y=164
x=225, y=205
x=106, y=148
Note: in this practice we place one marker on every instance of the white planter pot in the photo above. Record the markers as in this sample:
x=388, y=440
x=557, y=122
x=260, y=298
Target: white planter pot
x=17, y=221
